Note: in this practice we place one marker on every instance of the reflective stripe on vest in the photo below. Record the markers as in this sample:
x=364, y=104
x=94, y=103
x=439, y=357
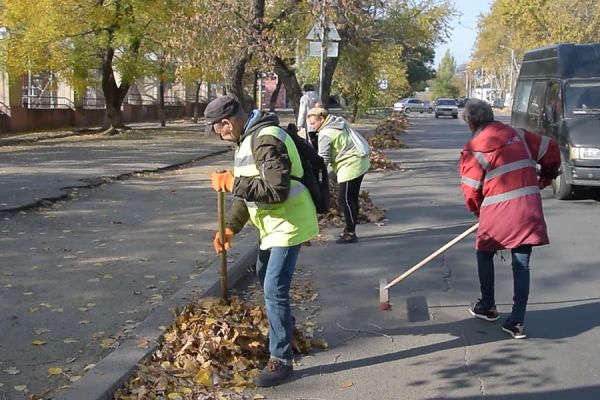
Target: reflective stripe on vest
x=513, y=166
x=245, y=165
x=513, y=194
x=521, y=134
x=543, y=147
x=480, y=157
x=295, y=190
x=470, y=182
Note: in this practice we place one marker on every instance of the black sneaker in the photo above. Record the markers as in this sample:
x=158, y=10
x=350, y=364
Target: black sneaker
x=275, y=373
x=516, y=329
x=478, y=310
x=347, y=237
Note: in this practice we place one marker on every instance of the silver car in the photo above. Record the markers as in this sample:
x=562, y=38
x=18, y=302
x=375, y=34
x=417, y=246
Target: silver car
x=447, y=107
x=413, y=105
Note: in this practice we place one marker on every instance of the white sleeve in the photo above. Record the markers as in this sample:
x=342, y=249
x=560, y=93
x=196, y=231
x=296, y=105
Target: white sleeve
x=302, y=112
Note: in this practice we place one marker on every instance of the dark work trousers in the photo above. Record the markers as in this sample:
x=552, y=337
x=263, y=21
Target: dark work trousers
x=348, y=198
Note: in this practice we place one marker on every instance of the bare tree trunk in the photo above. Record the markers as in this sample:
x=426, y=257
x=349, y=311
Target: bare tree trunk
x=161, y=103
x=329, y=71
x=255, y=95
x=235, y=80
x=292, y=88
x=113, y=94
x=274, y=96
x=197, y=101
x=354, y=109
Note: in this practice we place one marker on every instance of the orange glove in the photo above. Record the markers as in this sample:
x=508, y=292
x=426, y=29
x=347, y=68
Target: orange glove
x=543, y=182
x=219, y=247
x=222, y=181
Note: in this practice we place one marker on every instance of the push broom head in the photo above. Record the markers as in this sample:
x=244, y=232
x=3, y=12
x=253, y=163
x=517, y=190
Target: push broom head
x=384, y=300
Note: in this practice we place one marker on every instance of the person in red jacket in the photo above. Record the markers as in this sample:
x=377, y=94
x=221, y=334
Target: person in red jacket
x=501, y=187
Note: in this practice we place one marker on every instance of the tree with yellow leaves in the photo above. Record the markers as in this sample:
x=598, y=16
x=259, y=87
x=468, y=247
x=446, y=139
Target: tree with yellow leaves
x=75, y=38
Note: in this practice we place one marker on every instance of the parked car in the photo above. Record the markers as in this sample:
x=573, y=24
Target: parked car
x=413, y=105
x=462, y=101
x=446, y=107
x=558, y=95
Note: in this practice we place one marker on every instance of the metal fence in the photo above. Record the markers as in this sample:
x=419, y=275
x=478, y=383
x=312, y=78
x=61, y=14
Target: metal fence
x=47, y=102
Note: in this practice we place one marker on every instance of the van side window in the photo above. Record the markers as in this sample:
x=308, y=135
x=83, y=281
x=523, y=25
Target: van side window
x=553, y=108
x=522, y=96
x=537, y=99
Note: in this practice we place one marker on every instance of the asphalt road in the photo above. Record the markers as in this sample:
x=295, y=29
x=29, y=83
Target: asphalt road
x=77, y=277
x=428, y=346
x=83, y=273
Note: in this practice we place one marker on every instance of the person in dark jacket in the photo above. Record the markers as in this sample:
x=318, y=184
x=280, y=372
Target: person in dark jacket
x=281, y=208
x=502, y=188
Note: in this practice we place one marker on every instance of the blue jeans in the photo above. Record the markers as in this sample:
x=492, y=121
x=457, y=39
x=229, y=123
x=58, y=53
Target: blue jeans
x=520, y=267
x=274, y=269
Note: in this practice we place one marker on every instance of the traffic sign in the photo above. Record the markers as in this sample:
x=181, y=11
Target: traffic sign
x=331, y=33
x=314, y=49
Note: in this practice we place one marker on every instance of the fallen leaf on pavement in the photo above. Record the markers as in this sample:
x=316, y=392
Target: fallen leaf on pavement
x=12, y=370
x=88, y=367
x=70, y=340
x=38, y=342
x=109, y=343
x=55, y=370
x=21, y=388
x=142, y=343
x=39, y=331
x=84, y=322
x=74, y=378
x=346, y=384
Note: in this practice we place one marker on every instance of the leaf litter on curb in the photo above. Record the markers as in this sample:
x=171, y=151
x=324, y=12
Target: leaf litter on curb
x=213, y=350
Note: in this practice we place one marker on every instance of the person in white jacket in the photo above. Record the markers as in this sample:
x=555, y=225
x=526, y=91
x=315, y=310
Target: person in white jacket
x=308, y=100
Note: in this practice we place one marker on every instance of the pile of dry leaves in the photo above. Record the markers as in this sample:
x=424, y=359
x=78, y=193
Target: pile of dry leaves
x=380, y=163
x=396, y=124
x=212, y=350
x=367, y=211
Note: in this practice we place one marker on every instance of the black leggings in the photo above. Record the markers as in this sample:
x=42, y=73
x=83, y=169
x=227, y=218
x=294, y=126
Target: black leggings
x=348, y=198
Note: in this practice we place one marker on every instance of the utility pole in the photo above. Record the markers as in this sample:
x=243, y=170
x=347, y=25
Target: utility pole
x=323, y=50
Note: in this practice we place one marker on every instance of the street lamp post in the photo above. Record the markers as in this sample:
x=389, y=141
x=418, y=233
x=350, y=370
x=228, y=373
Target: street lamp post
x=511, y=69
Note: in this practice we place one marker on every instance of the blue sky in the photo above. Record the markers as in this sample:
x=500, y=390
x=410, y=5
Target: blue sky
x=464, y=30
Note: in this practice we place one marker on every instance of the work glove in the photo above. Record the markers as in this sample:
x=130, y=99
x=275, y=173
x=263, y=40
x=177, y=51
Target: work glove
x=219, y=247
x=222, y=181
x=543, y=182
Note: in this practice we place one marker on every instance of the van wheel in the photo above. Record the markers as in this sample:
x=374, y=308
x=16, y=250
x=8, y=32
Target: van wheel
x=562, y=190
x=407, y=110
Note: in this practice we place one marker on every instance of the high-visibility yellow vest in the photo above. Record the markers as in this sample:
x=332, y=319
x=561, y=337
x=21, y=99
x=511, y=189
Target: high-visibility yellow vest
x=290, y=222
x=345, y=159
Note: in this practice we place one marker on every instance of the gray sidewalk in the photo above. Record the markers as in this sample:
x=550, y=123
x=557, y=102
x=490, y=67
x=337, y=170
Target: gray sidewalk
x=78, y=277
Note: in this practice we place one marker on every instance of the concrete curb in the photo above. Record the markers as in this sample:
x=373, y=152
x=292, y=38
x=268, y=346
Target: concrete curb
x=90, y=183
x=112, y=371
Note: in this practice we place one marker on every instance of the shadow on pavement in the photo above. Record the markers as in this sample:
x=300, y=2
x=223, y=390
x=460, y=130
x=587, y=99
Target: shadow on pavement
x=588, y=392
x=558, y=324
